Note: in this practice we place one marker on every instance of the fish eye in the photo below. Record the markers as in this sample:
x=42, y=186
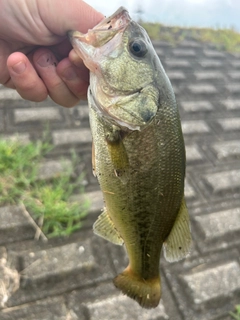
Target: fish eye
x=138, y=48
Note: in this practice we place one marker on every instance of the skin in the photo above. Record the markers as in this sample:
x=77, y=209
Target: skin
x=36, y=57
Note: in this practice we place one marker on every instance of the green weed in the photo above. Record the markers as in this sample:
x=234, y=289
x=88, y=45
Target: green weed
x=226, y=39
x=236, y=315
x=47, y=201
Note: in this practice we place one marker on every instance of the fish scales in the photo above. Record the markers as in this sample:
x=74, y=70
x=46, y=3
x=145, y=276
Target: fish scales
x=138, y=152
x=142, y=206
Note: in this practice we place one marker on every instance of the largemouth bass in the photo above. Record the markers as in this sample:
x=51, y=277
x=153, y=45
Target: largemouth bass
x=138, y=152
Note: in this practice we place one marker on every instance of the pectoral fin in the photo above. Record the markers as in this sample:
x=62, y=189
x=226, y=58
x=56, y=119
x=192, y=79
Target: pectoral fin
x=118, y=154
x=104, y=227
x=178, y=243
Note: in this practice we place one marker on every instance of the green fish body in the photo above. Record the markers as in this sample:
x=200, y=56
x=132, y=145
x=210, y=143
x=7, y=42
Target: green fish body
x=138, y=152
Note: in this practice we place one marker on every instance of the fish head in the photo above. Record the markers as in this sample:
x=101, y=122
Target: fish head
x=122, y=64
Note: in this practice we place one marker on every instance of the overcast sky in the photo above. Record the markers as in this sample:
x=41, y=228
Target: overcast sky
x=201, y=13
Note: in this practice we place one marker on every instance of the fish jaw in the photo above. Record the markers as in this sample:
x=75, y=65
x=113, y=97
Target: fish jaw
x=91, y=46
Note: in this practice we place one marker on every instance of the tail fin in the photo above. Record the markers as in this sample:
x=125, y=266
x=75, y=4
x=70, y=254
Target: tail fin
x=146, y=292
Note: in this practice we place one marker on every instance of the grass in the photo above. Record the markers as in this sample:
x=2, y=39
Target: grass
x=226, y=39
x=46, y=201
x=236, y=315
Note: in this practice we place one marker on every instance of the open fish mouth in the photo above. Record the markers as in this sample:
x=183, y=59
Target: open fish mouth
x=104, y=31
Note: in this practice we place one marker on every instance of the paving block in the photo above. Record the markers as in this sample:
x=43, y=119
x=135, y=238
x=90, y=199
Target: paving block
x=195, y=127
x=104, y=301
x=211, y=63
x=55, y=270
x=1, y=121
x=9, y=278
x=208, y=75
x=82, y=112
x=230, y=124
x=9, y=94
x=47, y=309
x=176, y=89
x=57, y=260
x=14, y=226
x=177, y=63
x=159, y=52
x=176, y=75
x=121, y=307
x=53, y=168
x=190, y=44
x=235, y=64
x=95, y=198
x=193, y=154
x=223, y=224
x=20, y=137
x=231, y=104
x=212, y=283
x=213, y=53
x=233, y=88
x=189, y=191
x=202, y=88
x=196, y=106
x=74, y=136
x=234, y=75
x=227, y=150
x=37, y=114
x=206, y=287
x=184, y=52
x=161, y=44
x=223, y=181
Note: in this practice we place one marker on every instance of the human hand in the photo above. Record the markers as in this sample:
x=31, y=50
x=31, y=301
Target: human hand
x=34, y=49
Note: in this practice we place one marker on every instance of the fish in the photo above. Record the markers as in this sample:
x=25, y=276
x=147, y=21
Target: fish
x=138, y=152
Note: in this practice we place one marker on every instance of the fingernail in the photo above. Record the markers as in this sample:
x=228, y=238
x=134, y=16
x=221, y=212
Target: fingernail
x=46, y=60
x=19, y=67
x=69, y=74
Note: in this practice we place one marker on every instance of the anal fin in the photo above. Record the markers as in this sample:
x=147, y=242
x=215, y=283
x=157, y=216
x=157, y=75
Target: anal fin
x=104, y=227
x=178, y=243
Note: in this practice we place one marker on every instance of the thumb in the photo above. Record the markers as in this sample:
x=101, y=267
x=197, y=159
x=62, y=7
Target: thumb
x=62, y=16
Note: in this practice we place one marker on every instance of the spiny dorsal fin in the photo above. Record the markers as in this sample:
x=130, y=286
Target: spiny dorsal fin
x=178, y=243
x=104, y=227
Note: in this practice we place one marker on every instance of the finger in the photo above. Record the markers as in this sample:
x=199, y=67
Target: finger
x=75, y=59
x=25, y=78
x=76, y=78
x=4, y=74
x=62, y=49
x=60, y=17
x=45, y=63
